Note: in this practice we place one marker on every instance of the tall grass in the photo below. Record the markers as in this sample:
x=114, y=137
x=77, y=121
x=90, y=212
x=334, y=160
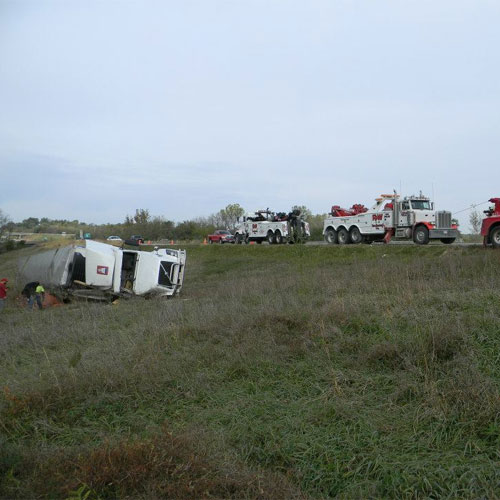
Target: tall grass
x=279, y=372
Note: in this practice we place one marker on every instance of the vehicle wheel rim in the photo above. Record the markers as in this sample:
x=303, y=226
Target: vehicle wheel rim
x=496, y=237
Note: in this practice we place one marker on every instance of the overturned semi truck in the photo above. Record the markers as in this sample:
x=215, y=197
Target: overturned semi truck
x=99, y=271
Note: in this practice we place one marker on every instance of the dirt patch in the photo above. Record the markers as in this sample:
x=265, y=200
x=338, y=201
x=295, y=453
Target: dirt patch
x=49, y=301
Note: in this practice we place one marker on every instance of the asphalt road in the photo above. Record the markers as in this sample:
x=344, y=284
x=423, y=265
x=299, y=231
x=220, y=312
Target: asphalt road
x=406, y=242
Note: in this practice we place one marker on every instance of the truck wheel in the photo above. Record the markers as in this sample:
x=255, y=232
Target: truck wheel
x=278, y=238
x=343, y=236
x=247, y=239
x=221, y=242
x=355, y=235
x=447, y=241
x=211, y=242
x=495, y=237
x=270, y=238
x=331, y=236
x=421, y=235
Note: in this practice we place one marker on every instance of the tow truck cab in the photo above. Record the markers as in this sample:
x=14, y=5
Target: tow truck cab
x=490, y=227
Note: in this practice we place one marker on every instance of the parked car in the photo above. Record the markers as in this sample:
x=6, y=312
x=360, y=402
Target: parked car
x=114, y=238
x=138, y=239
x=221, y=236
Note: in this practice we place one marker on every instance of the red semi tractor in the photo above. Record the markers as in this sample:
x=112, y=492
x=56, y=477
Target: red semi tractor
x=490, y=228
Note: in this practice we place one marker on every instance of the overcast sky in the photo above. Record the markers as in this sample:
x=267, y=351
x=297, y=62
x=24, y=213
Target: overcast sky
x=182, y=107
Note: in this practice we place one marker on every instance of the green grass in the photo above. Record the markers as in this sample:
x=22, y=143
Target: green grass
x=280, y=372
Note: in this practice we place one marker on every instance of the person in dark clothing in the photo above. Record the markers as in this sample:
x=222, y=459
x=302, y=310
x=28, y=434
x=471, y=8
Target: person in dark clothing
x=29, y=292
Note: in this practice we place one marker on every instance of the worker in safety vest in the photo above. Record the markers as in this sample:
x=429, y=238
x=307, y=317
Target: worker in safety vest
x=39, y=295
x=3, y=292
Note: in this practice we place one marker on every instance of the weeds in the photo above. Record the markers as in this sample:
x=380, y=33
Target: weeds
x=281, y=371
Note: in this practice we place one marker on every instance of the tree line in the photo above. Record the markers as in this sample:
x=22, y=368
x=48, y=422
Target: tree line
x=150, y=227
x=153, y=227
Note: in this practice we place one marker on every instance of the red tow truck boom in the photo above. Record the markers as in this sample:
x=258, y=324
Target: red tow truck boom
x=356, y=209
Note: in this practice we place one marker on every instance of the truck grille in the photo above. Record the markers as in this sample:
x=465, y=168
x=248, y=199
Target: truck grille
x=443, y=220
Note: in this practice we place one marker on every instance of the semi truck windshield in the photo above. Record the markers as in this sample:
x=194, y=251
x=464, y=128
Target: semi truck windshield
x=164, y=276
x=421, y=205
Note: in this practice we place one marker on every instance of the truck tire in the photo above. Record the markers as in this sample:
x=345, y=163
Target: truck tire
x=270, y=238
x=343, y=236
x=421, y=235
x=447, y=241
x=355, y=235
x=211, y=242
x=238, y=239
x=495, y=237
x=221, y=242
x=331, y=236
x=278, y=238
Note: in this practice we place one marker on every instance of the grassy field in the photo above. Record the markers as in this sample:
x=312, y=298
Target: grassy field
x=280, y=372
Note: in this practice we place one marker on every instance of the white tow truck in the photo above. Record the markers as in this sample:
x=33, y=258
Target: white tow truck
x=100, y=271
x=412, y=217
x=275, y=228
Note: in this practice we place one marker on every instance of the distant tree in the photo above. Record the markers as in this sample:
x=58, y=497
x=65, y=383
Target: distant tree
x=306, y=213
x=214, y=220
x=229, y=215
x=10, y=227
x=187, y=230
x=30, y=222
x=159, y=228
x=4, y=220
x=141, y=216
x=475, y=221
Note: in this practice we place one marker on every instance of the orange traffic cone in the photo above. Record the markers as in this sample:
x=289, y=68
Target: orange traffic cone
x=204, y=241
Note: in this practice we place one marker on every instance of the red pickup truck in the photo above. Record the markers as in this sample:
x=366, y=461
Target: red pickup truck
x=220, y=236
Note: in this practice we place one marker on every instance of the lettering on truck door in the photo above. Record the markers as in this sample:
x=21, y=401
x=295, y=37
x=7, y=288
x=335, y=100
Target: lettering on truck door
x=377, y=221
